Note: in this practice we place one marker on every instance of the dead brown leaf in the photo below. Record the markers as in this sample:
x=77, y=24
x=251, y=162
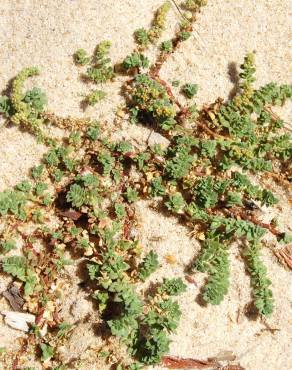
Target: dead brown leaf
x=14, y=297
x=285, y=255
x=73, y=215
x=186, y=363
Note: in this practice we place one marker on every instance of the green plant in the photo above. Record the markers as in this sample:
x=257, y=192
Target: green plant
x=25, y=109
x=214, y=260
x=144, y=37
x=93, y=131
x=36, y=98
x=94, y=97
x=157, y=187
x=47, y=351
x=190, y=90
x=7, y=245
x=167, y=46
x=260, y=283
x=63, y=329
x=131, y=195
x=76, y=195
x=89, y=184
x=176, y=203
x=141, y=37
x=5, y=106
x=148, y=266
x=135, y=60
x=150, y=97
x=195, y=5
x=81, y=57
x=100, y=71
x=17, y=266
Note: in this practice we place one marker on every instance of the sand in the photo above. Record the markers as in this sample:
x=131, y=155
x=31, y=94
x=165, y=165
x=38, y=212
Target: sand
x=46, y=33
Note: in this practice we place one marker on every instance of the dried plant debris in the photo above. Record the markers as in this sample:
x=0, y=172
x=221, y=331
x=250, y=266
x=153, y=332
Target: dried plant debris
x=186, y=363
x=13, y=295
x=284, y=255
x=197, y=166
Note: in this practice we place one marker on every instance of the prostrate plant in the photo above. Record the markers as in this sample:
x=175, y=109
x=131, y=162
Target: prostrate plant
x=99, y=69
x=81, y=57
x=94, y=97
x=239, y=133
x=260, y=283
x=149, y=100
x=203, y=174
x=214, y=260
x=144, y=334
x=144, y=37
x=190, y=90
x=135, y=60
x=18, y=267
x=148, y=266
x=24, y=109
x=195, y=5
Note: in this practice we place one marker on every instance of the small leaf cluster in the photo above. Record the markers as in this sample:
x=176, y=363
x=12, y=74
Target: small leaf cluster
x=148, y=265
x=18, y=267
x=22, y=108
x=81, y=57
x=144, y=37
x=195, y=5
x=144, y=333
x=94, y=97
x=263, y=296
x=150, y=98
x=214, y=260
x=135, y=60
x=190, y=90
x=99, y=69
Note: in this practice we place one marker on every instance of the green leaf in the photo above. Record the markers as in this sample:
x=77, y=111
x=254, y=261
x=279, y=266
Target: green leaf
x=7, y=245
x=120, y=210
x=233, y=199
x=107, y=162
x=131, y=195
x=95, y=96
x=37, y=171
x=47, y=351
x=81, y=57
x=141, y=37
x=6, y=107
x=76, y=195
x=148, y=266
x=40, y=188
x=36, y=98
x=214, y=260
x=124, y=147
x=135, y=60
x=63, y=329
x=172, y=287
x=156, y=187
x=268, y=198
x=176, y=203
x=30, y=283
x=260, y=283
x=190, y=90
x=24, y=186
x=167, y=46
x=16, y=266
x=93, y=131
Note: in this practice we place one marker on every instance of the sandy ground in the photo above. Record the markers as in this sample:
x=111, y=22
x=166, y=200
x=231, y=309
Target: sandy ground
x=46, y=33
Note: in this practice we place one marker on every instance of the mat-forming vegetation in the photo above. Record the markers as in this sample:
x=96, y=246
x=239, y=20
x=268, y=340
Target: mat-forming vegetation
x=81, y=198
